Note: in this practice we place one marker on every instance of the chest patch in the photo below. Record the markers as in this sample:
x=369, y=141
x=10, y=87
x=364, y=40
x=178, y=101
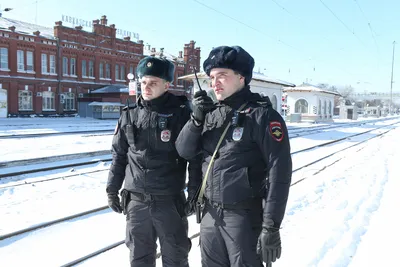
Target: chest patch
x=237, y=133
x=165, y=135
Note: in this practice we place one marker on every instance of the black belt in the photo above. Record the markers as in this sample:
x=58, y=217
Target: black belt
x=150, y=197
x=242, y=205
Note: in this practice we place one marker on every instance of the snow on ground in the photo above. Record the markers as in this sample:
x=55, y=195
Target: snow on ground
x=35, y=147
x=330, y=216
x=38, y=199
x=342, y=216
x=31, y=204
x=10, y=126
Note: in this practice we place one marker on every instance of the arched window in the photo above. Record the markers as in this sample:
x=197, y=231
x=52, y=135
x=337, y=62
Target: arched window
x=301, y=106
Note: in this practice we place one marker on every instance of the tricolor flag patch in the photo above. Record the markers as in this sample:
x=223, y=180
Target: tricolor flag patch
x=275, y=129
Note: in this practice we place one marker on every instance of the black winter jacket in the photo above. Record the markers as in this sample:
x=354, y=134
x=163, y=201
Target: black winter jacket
x=143, y=148
x=254, y=158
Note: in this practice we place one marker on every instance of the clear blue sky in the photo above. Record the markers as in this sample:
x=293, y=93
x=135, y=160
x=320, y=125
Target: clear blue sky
x=291, y=40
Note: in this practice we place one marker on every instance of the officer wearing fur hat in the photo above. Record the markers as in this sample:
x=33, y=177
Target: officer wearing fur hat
x=146, y=162
x=246, y=165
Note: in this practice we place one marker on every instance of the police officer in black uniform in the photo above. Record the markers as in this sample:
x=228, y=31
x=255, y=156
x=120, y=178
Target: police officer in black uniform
x=154, y=175
x=251, y=169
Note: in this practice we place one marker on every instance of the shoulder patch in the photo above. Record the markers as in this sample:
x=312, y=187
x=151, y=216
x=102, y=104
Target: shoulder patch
x=275, y=129
x=131, y=106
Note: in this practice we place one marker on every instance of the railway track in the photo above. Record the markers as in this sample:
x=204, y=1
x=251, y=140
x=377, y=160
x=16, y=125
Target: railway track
x=105, y=152
x=102, y=250
x=19, y=168
x=36, y=135
x=25, y=162
x=86, y=257
x=295, y=133
x=35, y=169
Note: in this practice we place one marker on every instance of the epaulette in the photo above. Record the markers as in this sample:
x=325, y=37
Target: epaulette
x=265, y=102
x=184, y=100
x=130, y=106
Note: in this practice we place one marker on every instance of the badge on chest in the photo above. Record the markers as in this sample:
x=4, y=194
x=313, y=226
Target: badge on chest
x=238, y=123
x=165, y=135
x=163, y=126
x=237, y=133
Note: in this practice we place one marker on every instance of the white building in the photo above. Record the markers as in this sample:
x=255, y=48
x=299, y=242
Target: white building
x=313, y=103
x=260, y=83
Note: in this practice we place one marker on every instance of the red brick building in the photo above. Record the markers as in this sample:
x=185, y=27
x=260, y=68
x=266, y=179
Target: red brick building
x=44, y=71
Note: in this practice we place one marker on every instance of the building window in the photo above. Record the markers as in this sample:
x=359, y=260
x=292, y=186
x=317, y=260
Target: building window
x=65, y=65
x=52, y=64
x=319, y=106
x=91, y=68
x=48, y=101
x=301, y=106
x=108, y=71
x=101, y=70
x=131, y=69
x=116, y=72
x=4, y=58
x=325, y=108
x=330, y=108
x=44, y=63
x=83, y=68
x=69, y=101
x=25, y=100
x=72, y=71
x=29, y=61
x=20, y=60
x=122, y=72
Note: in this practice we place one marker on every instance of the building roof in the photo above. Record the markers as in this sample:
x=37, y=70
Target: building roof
x=113, y=88
x=189, y=77
x=256, y=77
x=309, y=88
x=148, y=52
x=263, y=78
x=25, y=27
x=95, y=103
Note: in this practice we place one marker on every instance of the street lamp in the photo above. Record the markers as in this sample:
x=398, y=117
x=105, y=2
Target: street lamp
x=134, y=86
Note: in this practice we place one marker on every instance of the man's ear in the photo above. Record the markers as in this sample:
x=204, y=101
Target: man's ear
x=242, y=78
x=167, y=85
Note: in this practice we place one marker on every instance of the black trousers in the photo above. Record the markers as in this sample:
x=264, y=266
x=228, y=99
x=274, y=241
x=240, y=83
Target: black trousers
x=163, y=218
x=228, y=237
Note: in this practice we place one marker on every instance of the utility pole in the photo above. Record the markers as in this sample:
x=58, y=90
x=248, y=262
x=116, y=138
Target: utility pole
x=391, y=82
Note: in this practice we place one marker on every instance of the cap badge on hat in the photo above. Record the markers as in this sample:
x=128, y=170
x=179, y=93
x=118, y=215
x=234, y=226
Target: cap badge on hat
x=149, y=64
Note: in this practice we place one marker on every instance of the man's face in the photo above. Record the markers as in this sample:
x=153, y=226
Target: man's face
x=153, y=87
x=225, y=82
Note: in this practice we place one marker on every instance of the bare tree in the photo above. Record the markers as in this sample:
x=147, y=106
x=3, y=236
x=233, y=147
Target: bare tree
x=346, y=91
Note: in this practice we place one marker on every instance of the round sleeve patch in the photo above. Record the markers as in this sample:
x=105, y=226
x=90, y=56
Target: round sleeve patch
x=275, y=129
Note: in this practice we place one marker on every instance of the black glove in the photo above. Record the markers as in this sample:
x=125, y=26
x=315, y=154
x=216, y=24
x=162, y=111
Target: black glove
x=189, y=204
x=114, y=202
x=202, y=104
x=269, y=244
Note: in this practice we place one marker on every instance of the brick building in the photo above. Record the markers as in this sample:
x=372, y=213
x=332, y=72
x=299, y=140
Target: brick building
x=45, y=71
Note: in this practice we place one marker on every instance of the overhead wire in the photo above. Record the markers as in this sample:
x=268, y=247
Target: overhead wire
x=344, y=24
x=369, y=27
x=261, y=32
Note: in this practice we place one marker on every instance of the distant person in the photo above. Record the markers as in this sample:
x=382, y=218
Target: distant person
x=154, y=175
x=252, y=163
